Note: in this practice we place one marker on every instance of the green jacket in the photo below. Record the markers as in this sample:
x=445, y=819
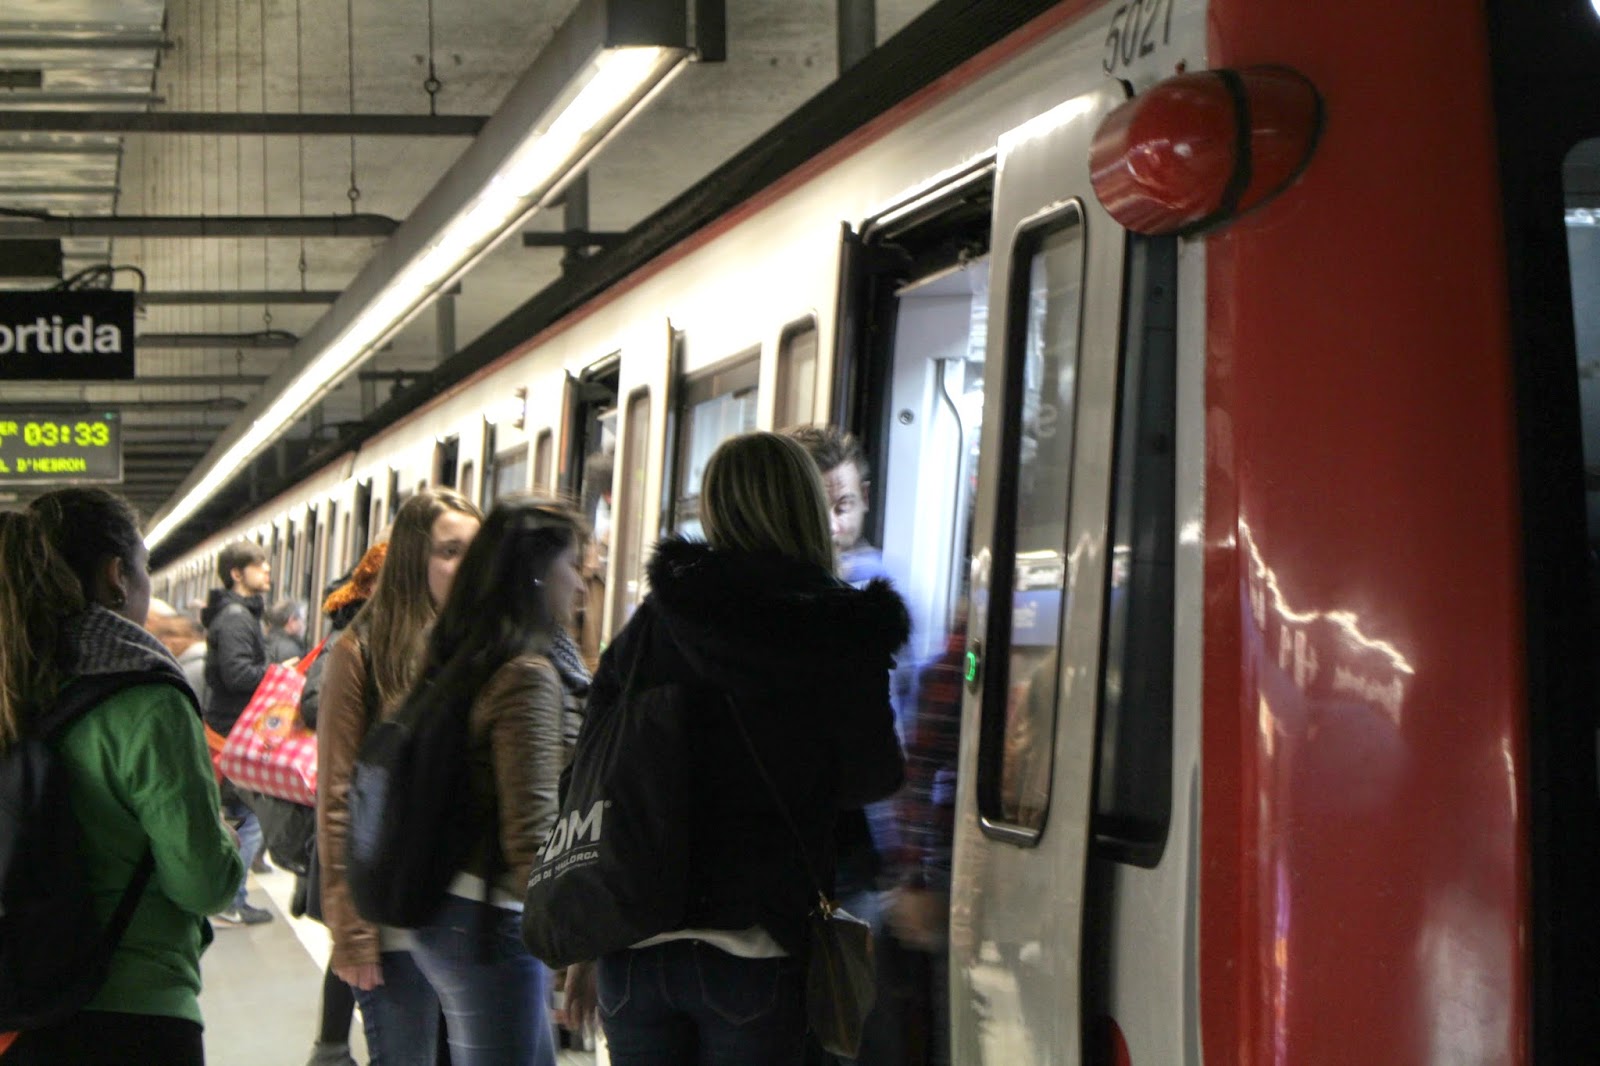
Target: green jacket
x=141, y=774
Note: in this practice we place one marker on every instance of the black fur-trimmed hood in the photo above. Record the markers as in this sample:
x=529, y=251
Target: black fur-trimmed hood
x=735, y=613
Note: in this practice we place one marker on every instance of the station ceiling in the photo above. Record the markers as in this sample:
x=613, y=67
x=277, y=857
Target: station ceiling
x=299, y=57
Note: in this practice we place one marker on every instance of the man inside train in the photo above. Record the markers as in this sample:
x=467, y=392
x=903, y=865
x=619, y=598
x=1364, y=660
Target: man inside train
x=865, y=840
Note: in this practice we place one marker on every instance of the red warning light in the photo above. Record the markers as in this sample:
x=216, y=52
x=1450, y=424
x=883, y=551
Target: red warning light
x=1197, y=150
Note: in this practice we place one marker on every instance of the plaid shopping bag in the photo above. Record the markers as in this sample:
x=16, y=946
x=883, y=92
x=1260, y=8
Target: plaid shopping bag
x=268, y=749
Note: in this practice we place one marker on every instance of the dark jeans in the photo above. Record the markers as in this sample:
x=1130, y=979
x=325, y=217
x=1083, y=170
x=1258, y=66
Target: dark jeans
x=400, y=1016
x=496, y=996
x=685, y=1003
x=105, y=1038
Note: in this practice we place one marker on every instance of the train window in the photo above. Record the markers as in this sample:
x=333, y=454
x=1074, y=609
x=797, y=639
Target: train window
x=486, y=454
x=446, y=457
x=796, y=400
x=312, y=548
x=468, y=484
x=713, y=405
x=627, y=527
x=393, y=498
x=1017, y=733
x=591, y=429
x=365, y=518
x=1133, y=786
x=510, y=473
x=544, y=461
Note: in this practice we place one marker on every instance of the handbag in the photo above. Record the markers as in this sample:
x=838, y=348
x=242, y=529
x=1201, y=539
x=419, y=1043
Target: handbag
x=268, y=750
x=614, y=869
x=841, y=983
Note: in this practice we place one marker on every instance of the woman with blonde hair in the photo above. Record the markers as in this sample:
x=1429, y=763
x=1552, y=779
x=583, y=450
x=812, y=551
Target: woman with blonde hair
x=780, y=662
x=370, y=670
x=74, y=594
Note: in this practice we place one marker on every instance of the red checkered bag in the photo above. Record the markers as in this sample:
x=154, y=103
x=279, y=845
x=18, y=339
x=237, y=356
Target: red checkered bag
x=268, y=749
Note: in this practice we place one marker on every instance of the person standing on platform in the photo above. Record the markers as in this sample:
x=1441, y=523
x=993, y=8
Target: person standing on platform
x=236, y=661
x=370, y=670
x=344, y=600
x=74, y=593
x=783, y=663
x=489, y=659
x=286, y=631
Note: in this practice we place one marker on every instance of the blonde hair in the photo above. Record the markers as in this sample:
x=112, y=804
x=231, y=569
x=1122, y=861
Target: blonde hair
x=397, y=617
x=762, y=493
x=38, y=593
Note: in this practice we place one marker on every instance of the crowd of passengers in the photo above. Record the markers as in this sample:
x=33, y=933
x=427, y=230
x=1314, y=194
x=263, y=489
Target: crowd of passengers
x=782, y=611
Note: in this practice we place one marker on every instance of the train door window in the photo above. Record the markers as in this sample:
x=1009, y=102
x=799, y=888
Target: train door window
x=544, y=461
x=713, y=405
x=796, y=400
x=511, y=472
x=1133, y=781
x=362, y=512
x=446, y=456
x=468, y=484
x=316, y=530
x=1016, y=746
x=628, y=526
x=490, y=446
x=592, y=429
x=393, y=498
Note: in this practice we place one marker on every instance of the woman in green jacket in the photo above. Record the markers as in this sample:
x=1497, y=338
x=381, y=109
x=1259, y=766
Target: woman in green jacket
x=73, y=591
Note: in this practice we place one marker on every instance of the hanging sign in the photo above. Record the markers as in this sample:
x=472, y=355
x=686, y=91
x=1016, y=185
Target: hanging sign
x=54, y=449
x=76, y=336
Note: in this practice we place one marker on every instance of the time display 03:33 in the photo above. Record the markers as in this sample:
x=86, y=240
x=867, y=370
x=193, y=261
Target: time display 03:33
x=42, y=449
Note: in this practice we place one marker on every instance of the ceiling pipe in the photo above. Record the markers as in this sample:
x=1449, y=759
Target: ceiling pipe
x=215, y=123
x=186, y=226
x=269, y=339
x=283, y=297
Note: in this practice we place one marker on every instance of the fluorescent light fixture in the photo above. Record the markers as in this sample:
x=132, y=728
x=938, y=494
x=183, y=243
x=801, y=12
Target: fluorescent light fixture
x=594, y=97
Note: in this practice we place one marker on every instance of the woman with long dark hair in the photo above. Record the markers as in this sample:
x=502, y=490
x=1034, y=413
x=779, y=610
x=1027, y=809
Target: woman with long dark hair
x=369, y=672
x=489, y=659
x=74, y=593
x=780, y=662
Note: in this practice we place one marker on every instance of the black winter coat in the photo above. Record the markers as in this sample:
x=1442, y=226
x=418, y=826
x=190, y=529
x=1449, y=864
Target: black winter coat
x=236, y=655
x=806, y=660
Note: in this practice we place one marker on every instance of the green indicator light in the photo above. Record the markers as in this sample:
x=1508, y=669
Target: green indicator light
x=972, y=667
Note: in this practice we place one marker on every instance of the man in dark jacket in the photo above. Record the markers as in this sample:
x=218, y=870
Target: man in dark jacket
x=236, y=661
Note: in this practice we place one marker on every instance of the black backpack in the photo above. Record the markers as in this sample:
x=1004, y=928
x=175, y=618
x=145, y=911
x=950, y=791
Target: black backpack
x=410, y=829
x=614, y=869
x=54, y=952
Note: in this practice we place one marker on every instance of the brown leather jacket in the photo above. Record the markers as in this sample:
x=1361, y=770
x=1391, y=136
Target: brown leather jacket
x=517, y=756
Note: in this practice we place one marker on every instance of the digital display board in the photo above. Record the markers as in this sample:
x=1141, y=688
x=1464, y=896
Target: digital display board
x=55, y=449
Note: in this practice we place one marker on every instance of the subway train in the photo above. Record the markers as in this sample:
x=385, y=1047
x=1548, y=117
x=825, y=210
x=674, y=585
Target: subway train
x=1228, y=374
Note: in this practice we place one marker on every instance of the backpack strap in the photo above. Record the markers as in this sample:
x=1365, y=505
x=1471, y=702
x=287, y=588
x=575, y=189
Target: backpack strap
x=122, y=917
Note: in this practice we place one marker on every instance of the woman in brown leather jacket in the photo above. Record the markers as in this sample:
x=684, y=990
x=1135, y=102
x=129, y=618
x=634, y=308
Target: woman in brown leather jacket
x=369, y=671
x=490, y=658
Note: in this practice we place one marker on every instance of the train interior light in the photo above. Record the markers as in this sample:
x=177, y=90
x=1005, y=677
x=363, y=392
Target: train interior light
x=1197, y=150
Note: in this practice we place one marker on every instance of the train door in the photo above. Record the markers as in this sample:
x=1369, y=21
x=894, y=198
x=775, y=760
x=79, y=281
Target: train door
x=588, y=450
x=1041, y=557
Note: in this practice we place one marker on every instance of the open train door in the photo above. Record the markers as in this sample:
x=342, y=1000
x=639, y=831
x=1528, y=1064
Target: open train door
x=1039, y=578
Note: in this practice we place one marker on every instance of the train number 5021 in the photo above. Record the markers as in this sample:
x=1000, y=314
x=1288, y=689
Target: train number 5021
x=1137, y=29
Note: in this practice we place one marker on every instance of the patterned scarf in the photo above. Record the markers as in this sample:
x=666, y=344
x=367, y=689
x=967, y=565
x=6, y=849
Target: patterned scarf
x=569, y=663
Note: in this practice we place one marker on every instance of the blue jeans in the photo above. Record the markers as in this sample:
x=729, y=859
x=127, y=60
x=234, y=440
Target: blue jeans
x=686, y=1003
x=244, y=821
x=496, y=996
x=400, y=1016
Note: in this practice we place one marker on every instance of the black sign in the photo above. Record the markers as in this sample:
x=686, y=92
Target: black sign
x=53, y=336
x=52, y=449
